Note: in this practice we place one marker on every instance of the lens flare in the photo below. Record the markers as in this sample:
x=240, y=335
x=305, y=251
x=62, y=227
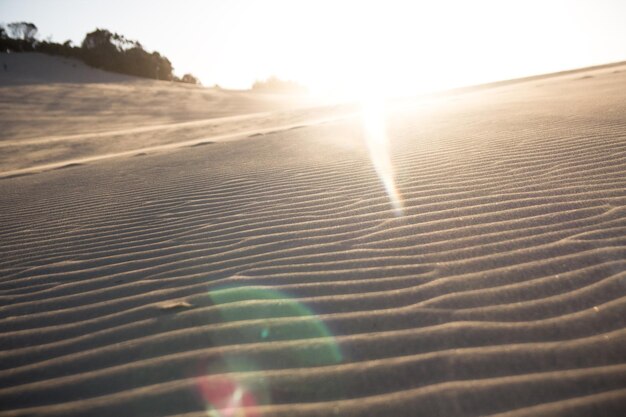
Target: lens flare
x=373, y=115
x=236, y=384
x=227, y=397
x=305, y=324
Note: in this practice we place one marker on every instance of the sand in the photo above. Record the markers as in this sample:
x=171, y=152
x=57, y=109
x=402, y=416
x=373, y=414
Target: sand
x=278, y=275
x=58, y=111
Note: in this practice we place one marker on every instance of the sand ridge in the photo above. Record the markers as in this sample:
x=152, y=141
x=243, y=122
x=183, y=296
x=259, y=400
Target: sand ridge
x=277, y=263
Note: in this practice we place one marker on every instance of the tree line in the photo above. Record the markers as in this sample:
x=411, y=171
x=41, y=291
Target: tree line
x=100, y=49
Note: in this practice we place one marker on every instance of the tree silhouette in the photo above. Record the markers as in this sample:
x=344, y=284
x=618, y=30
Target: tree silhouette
x=114, y=52
x=23, y=30
x=99, y=38
x=22, y=37
x=190, y=79
x=100, y=48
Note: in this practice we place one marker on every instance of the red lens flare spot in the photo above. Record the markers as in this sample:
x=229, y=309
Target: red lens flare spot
x=225, y=397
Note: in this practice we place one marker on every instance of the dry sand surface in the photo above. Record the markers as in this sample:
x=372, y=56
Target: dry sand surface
x=273, y=276
x=49, y=122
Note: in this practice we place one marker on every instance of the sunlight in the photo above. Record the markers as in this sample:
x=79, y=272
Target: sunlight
x=393, y=51
x=421, y=45
x=405, y=48
x=373, y=116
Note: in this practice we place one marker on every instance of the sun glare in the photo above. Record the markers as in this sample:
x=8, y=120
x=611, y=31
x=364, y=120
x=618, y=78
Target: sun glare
x=402, y=48
x=373, y=119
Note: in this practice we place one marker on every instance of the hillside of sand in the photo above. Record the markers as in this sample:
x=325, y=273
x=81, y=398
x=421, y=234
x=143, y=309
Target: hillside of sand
x=57, y=111
x=466, y=257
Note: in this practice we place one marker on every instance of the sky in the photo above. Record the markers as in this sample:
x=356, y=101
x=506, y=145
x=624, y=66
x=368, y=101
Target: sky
x=343, y=47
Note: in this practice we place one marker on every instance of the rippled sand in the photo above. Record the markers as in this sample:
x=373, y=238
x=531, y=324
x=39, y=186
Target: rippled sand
x=278, y=275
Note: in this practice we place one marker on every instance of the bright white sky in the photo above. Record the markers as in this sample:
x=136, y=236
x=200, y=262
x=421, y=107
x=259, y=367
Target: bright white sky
x=335, y=46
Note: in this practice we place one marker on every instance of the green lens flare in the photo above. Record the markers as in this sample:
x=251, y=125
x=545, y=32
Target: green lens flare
x=237, y=385
x=257, y=303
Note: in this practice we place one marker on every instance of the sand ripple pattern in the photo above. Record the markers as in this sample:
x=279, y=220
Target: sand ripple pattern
x=501, y=290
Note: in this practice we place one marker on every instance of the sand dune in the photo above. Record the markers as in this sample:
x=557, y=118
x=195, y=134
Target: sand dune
x=273, y=276
x=56, y=111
